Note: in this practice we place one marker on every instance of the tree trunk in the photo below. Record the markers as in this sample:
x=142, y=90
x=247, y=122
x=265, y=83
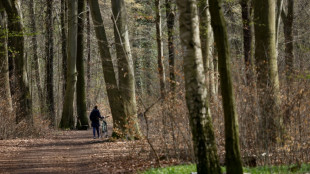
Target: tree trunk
x=170, y=25
x=204, y=33
x=5, y=93
x=80, y=84
x=247, y=38
x=160, y=51
x=49, y=58
x=196, y=92
x=278, y=17
x=88, y=53
x=125, y=69
x=16, y=47
x=233, y=157
x=114, y=98
x=67, y=120
x=36, y=63
x=63, y=17
x=267, y=71
x=288, y=19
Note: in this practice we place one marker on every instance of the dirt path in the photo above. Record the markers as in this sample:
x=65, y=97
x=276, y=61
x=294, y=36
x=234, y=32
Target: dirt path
x=73, y=152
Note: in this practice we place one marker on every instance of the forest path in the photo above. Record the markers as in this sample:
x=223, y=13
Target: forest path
x=73, y=152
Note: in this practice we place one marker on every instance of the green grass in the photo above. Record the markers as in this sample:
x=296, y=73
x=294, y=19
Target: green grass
x=187, y=169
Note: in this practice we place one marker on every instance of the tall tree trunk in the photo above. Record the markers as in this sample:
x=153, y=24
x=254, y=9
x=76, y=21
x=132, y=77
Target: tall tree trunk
x=67, y=120
x=204, y=33
x=267, y=71
x=63, y=17
x=288, y=19
x=88, y=53
x=80, y=84
x=278, y=17
x=233, y=157
x=115, y=100
x=49, y=58
x=160, y=51
x=170, y=25
x=196, y=92
x=247, y=38
x=16, y=47
x=5, y=93
x=125, y=68
x=36, y=64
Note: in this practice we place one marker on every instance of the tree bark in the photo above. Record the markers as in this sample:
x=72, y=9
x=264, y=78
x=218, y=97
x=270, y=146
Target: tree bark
x=16, y=47
x=160, y=51
x=35, y=61
x=278, y=17
x=288, y=19
x=233, y=157
x=80, y=84
x=67, y=120
x=125, y=69
x=267, y=71
x=49, y=58
x=171, y=51
x=247, y=38
x=204, y=33
x=63, y=19
x=88, y=53
x=5, y=93
x=196, y=92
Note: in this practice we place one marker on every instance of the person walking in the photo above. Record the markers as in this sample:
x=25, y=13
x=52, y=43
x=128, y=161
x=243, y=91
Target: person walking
x=94, y=118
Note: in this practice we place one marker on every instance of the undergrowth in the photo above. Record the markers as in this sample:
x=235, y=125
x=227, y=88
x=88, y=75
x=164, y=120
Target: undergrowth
x=187, y=169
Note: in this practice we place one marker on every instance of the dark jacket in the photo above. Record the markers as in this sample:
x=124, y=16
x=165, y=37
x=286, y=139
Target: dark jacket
x=94, y=117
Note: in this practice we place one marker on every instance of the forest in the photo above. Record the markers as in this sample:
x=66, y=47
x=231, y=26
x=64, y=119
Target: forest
x=217, y=86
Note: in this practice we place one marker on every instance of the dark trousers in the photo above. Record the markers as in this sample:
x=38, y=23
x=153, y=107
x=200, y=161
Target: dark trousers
x=94, y=131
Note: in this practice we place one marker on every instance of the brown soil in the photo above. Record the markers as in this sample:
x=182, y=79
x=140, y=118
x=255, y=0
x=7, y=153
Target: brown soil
x=73, y=152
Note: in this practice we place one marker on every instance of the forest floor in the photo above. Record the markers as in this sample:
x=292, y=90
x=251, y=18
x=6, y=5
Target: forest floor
x=74, y=152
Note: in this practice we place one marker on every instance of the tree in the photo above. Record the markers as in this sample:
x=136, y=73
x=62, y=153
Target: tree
x=35, y=60
x=267, y=71
x=160, y=51
x=247, y=37
x=80, y=84
x=5, y=93
x=88, y=51
x=125, y=68
x=67, y=120
x=233, y=157
x=63, y=17
x=16, y=47
x=49, y=59
x=288, y=19
x=204, y=32
x=171, y=51
x=196, y=92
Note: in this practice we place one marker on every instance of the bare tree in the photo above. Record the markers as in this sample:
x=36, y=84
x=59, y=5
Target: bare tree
x=233, y=157
x=267, y=71
x=247, y=38
x=67, y=120
x=5, y=93
x=171, y=50
x=288, y=19
x=196, y=92
x=49, y=59
x=63, y=19
x=160, y=51
x=16, y=47
x=35, y=60
x=125, y=68
x=80, y=84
